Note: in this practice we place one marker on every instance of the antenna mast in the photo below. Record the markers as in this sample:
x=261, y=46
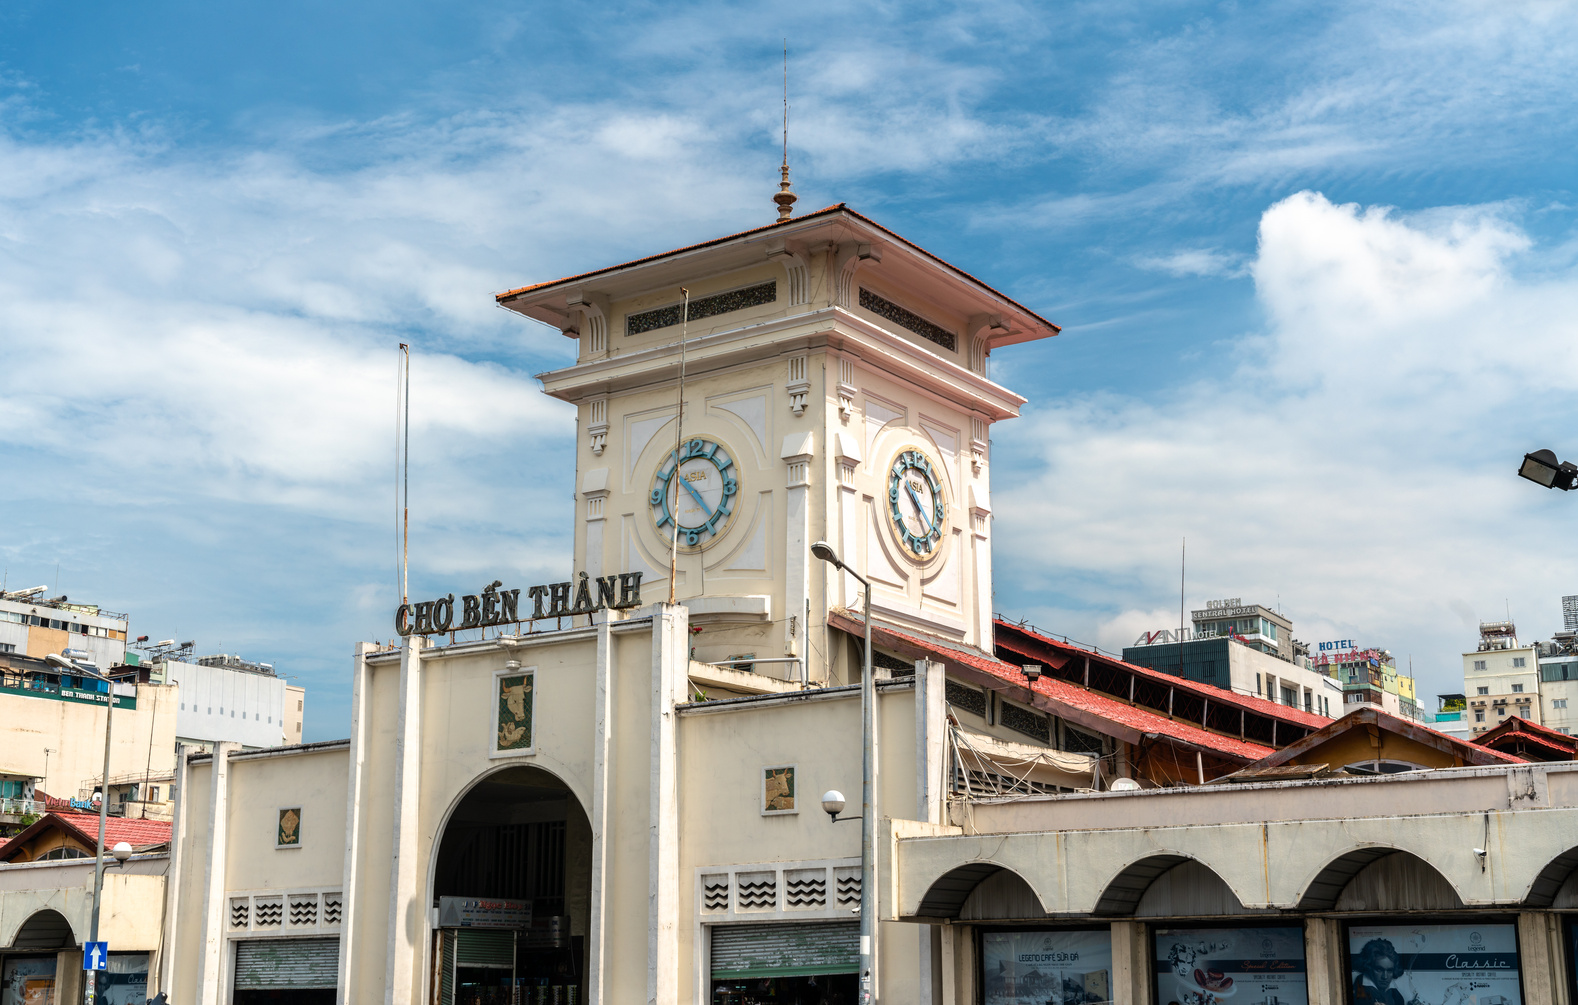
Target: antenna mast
x=785, y=198
x=679, y=427
x=403, y=466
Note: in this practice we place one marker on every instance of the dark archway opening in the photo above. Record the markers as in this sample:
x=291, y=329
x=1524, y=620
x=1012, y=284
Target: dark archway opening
x=512, y=883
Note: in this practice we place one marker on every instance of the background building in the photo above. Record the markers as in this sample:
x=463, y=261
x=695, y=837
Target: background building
x=227, y=698
x=33, y=625
x=1500, y=678
x=1452, y=715
x=1246, y=648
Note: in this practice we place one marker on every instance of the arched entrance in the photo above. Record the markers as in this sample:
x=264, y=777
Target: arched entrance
x=512, y=884
x=28, y=965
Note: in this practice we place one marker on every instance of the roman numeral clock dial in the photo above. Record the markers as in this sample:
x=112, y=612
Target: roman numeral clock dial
x=695, y=490
x=916, y=510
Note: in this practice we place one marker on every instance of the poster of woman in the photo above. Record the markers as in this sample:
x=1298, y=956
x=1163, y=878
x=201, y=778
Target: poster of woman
x=1433, y=965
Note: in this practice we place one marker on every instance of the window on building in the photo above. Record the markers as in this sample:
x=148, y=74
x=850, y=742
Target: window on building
x=1558, y=703
x=1482, y=690
x=1479, y=664
x=1517, y=689
x=1257, y=685
x=1520, y=661
x=153, y=793
x=6, y=647
x=1479, y=716
x=298, y=708
x=1500, y=710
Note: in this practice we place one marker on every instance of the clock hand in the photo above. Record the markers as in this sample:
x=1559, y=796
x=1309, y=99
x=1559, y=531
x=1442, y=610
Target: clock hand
x=920, y=510
x=696, y=496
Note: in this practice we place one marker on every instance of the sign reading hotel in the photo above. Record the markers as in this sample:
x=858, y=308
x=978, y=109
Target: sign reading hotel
x=494, y=606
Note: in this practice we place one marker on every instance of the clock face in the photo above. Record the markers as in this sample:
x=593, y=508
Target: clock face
x=695, y=492
x=916, y=508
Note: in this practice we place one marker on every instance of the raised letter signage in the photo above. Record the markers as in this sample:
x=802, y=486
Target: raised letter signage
x=502, y=607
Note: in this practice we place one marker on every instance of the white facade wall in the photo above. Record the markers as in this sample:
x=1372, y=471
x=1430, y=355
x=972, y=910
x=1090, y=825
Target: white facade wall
x=233, y=705
x=1265, y=676
x=102, y=637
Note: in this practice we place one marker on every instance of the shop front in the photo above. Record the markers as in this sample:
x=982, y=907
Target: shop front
x=785, y=963
x=283, y=971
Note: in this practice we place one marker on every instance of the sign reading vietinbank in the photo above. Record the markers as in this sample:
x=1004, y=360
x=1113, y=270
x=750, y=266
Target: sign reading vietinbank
x=494, y=606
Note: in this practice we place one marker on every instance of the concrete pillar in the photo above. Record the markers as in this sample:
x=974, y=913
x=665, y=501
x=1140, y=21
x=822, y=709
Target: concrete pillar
x=173, y=883
x=1323, y=956
x=964, y=965
x=407, y=918
x=1540, y=944
x=602, y=774
x=949, y=950
x=670, y=665
x=214, y=875
x=1131, y=963
x=930, y=725
x=69, y=985
x=353, y=820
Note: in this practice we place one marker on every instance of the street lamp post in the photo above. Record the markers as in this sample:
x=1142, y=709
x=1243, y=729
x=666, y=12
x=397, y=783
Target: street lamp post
x=104, y=809
x=868, y=793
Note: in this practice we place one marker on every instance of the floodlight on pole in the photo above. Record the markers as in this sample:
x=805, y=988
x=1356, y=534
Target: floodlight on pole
x=1542, y=468
x=868, y=792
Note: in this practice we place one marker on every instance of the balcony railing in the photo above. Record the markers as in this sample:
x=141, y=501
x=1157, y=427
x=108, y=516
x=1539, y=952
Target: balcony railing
x=21, y=807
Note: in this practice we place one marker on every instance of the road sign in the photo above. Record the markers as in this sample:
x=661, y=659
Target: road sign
x=95, y=956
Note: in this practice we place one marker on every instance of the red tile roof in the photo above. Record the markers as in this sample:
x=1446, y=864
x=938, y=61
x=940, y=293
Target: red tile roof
x=1130, y=723
x=825, y=211
x=85, y=828
x=1005, y=639
x=1469, y=752
x=1517, y=729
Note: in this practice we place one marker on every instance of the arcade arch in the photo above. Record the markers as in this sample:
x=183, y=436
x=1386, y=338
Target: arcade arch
x=511, y=879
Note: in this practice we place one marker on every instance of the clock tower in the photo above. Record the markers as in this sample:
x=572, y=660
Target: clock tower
x=834, y=387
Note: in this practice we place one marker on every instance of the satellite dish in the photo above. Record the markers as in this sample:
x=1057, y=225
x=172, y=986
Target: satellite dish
x=1124, y=785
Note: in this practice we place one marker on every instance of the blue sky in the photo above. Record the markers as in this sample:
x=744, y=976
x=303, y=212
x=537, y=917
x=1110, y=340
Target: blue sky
x=1315, y=264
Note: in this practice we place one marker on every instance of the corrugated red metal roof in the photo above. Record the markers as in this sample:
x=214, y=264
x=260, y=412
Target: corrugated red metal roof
x=1469, y=752
x=1136, y=718
x=1518, y=724
x=85, y=828
x=1260, y=706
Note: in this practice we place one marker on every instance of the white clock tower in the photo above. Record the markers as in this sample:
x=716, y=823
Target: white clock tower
x=835, y=387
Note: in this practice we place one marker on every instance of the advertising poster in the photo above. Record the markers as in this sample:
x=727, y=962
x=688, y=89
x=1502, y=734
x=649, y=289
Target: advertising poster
x=1046, y=967
x=1231, y=966
x=1433, y=965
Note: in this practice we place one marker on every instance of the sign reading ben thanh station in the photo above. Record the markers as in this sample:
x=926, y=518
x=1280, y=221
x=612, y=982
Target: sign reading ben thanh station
x=494, y=606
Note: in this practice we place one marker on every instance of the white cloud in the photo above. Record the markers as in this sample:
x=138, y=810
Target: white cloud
x=1356, y=459
x=1203, y=262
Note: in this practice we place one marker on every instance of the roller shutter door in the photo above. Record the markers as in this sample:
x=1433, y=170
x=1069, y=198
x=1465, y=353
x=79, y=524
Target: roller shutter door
x=785, y=950
x=280, y=964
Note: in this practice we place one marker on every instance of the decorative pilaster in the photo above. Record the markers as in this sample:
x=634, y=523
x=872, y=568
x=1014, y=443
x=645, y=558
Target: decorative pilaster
x=594, y=489
x=847, y=457
x=798, y=385
x=980, y=524
x=602, y=765
x=978, y=443
x=597, y=424
x=798, y=451
x=350, y=978
x=846, y=389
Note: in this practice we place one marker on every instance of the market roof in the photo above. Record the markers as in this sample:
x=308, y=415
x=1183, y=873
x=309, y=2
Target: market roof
x=787, y=229
x=140, y=834
x=1083, y=706
x=1529, y=739
x=1460, y=750
x=1035, y=646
